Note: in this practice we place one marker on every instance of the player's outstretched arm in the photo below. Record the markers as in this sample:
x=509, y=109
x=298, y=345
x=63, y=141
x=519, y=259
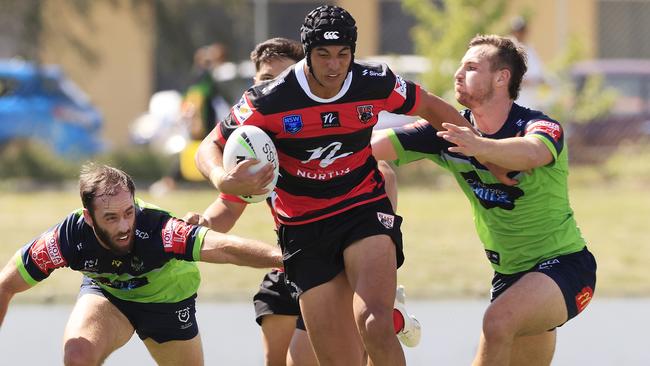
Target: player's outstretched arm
x=382, y=148
x=519, y=153
x=11, y=283
x=220, y=216
x=437, y=111
x=223, y=248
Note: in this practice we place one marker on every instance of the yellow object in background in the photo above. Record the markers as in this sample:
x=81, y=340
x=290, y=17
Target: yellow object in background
x=188, y=167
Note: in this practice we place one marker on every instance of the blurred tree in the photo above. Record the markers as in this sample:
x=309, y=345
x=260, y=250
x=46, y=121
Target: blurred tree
x=443, y=30
x=570, y=104
x=444, y=27
x=20, y=27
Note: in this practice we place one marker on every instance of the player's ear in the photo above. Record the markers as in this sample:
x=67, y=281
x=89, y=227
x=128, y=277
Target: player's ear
x=503, y=77
x=88, y=217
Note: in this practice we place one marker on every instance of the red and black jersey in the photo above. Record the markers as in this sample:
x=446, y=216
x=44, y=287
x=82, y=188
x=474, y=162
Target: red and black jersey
x=326, y=163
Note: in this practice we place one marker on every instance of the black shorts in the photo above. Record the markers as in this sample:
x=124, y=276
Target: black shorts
x=161, y=322
x=274, y=297
x=313, y=252
x=574, y=273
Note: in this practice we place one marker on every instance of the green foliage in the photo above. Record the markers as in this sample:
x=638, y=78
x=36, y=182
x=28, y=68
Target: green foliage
x=568, y=104
x=25, y=160
x=20, y=159
x=140, y=162
x=444, y=28
x=443, y=31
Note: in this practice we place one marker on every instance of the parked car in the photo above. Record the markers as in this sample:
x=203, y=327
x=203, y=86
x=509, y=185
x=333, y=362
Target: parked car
x=40, y=103
x=629, y=118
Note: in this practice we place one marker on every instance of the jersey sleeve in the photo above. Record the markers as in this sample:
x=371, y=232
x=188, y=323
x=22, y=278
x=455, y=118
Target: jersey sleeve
x=240, y=114
x=181, y=240
x=404, y=97
x=549, y=132
x=415, y=141
x=49, y=251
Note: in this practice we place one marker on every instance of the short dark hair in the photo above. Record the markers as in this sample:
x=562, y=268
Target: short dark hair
x=276, y=47
x=509, y=56
x=98, y=180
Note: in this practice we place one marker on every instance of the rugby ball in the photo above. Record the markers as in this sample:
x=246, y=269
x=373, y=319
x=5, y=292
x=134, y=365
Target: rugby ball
x=251, y=142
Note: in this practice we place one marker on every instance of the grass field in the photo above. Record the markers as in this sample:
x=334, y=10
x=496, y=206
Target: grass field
x=443, y=255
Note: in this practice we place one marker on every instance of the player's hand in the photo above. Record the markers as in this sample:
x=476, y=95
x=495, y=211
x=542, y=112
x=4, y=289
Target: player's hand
x=501, y=174
x=241, y=181
x=195, y=219
x=465, y=139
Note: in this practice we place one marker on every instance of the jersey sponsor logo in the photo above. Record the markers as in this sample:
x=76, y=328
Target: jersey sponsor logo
x=330, y=119
x=116, y=263
x=368, y=72
x=272, y=85
x=400, y=86
x=326, y=160
x=492, y=195
x=386, y=219
x=584, y=297
x=292, y=124
x=242, y=110
x=141, y=234
x=548, y=264
x=331, y=35
x=493, y=257
x=130, y=284
x=46, y=253
x=53, y=249
x=174, y=235
x=365, y=113
x=320, y=175
x=546, y=127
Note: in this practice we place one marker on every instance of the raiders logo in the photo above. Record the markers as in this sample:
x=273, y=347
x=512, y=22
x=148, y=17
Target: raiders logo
x=183, y=314
x=365, y=113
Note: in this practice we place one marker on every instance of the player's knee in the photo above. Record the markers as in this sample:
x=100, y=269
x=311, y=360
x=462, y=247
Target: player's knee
x=375, y=323
x=79, y=351
x=496, y=327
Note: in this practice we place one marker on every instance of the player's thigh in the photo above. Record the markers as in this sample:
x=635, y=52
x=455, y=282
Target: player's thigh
x=371, y=269
x=277, y=331
x=327, y=313
x=301, y=352
x=97, y=326
x=532, y=305
x=187, y=353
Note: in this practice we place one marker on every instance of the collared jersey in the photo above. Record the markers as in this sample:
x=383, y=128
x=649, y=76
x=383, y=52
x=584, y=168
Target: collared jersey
x=158, y=269
x=326, y=163
x=519, y=225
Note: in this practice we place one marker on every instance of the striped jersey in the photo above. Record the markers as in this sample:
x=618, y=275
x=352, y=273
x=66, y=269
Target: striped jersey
x=326, y=162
